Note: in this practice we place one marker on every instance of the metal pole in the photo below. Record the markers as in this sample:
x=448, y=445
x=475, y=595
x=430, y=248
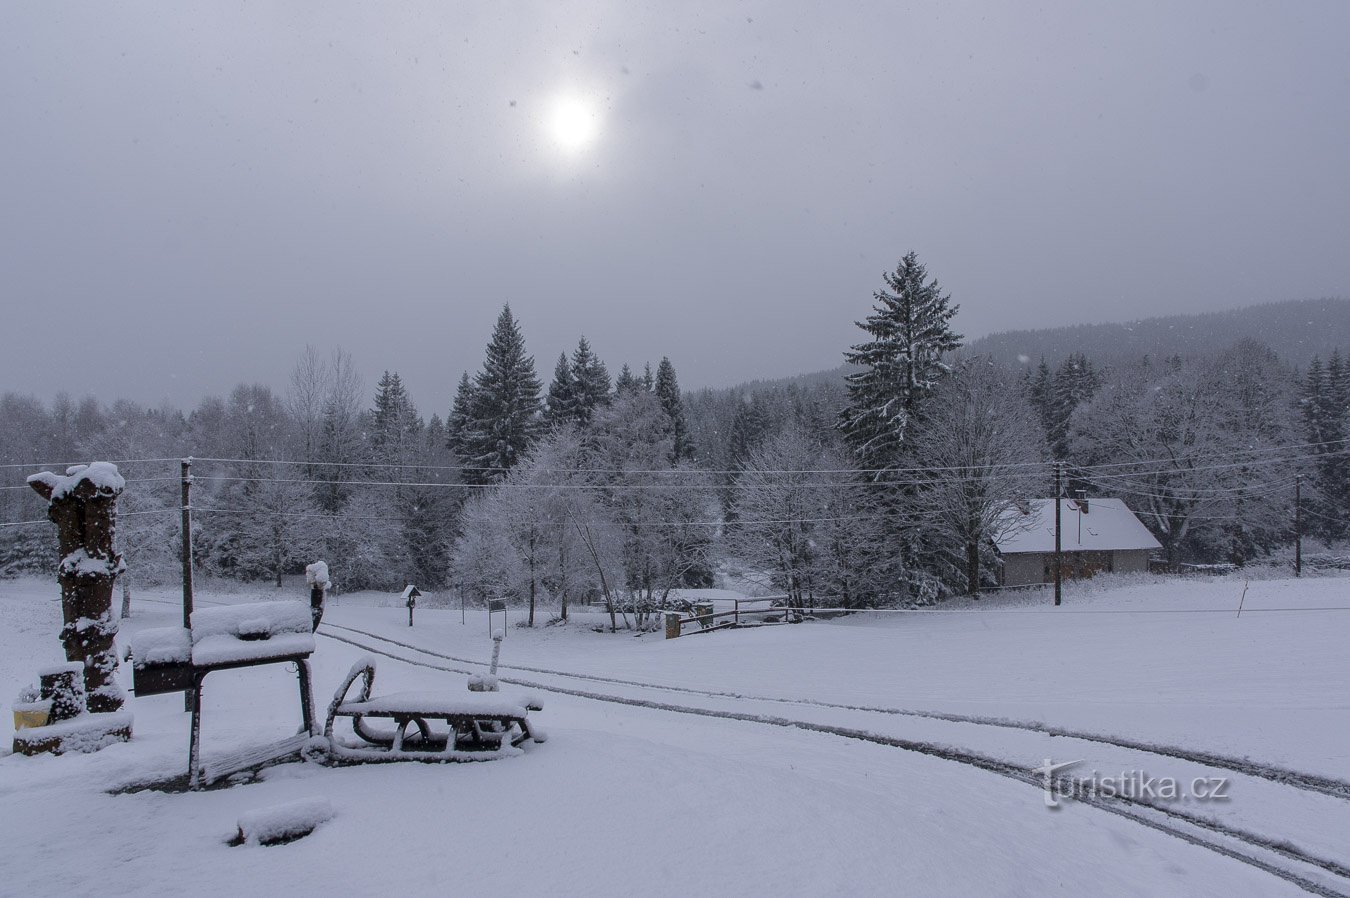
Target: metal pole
x=1298, y=525
x=1059, y=561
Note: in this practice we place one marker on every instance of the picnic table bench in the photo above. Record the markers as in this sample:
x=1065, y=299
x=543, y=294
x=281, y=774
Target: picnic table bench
x=474, y=725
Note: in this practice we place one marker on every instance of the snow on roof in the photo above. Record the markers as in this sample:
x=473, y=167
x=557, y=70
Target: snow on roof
x=1107, y=525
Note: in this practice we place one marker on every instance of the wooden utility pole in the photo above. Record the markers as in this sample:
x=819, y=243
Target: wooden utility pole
x=187, y=543
x=1059, y=558
x=1298, y=525
x=186, y=469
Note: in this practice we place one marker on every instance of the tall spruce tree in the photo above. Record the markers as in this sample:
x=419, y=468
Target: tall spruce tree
x=1075, y=383
x=1325, y=393
x=668, y=392
x=590, y=381
x=561, y=406
x=395, y=426
x=501, y=415
x=902, y=363
x=626, y=382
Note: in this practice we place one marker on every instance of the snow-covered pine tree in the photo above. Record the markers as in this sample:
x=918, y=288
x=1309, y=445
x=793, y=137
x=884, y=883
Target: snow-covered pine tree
x=457, y=423
x=590, y=381
x=1040, y=389
x=560, y=407
x=1075, y=383
x=668, y=391
x=626, y=382
x=394, y=420
x=502, y=415
x=902, y=363
x=1322, y=402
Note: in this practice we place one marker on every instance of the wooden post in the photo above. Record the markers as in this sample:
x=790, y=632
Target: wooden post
x=189, y=696
x=1298, y=525
x=187, y=542
x=83, y=505
x=1059, y=556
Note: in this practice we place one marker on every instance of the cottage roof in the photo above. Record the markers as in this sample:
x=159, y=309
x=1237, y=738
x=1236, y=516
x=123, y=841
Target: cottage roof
x=1107, y=525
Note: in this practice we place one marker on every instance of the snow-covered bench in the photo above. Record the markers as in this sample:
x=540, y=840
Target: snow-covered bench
x=477, y=725
x=175, y=659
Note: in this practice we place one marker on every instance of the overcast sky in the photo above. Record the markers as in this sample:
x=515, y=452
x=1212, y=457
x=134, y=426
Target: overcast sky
x=193, y=192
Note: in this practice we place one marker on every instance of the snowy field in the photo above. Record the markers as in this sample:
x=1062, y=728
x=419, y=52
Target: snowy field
x=879, y=753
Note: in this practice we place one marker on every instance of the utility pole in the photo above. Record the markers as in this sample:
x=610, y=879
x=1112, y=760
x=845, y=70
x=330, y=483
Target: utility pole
x=1298, y=525
x=187, y=543
x=187, y=560
x=1059, y=559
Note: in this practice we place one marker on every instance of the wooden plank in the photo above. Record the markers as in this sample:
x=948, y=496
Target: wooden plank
x=254, y=757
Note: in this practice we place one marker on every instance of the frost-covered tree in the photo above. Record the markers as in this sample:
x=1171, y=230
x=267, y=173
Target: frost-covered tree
x=501, y=415
x=981, y=451
x=256, y=526
x=806, y=525
x=544, y=515
x=900, y=364
x=1194, y=450
x=664, y=512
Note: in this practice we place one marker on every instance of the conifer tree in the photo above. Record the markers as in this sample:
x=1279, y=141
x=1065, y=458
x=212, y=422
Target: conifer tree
x=590, y=381
x=562, y=395
x=1075, y=383
x=668, y=392
x=502, y=412
x=626, y=381
x=457, y=422
x=395, y=424
x=902, y=362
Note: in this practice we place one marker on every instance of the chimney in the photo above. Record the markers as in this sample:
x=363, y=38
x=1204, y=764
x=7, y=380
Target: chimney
x=1082, y=500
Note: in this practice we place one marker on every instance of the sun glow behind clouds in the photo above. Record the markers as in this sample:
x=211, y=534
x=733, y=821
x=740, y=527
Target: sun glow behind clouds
x=574, y=123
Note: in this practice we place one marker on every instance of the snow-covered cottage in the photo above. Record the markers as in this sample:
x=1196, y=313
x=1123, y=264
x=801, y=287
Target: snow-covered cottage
x=1096, y=535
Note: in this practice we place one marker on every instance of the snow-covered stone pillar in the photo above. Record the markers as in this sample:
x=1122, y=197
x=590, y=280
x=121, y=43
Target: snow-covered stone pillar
x=83, y=505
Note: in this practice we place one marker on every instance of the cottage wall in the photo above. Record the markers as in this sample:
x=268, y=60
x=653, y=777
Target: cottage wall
x=1130, y=561
x=1023, y=569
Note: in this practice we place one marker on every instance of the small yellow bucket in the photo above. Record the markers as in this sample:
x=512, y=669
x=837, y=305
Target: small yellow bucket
x=31, y=715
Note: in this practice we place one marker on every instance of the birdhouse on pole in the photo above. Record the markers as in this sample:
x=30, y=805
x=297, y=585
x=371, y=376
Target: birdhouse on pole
x=410, y=596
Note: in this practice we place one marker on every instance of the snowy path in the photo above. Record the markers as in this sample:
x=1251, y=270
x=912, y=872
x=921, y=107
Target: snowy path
x=1296, y=833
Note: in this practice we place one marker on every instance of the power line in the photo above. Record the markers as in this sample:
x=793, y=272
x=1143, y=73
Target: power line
x=72, y=464
x=1293, y=447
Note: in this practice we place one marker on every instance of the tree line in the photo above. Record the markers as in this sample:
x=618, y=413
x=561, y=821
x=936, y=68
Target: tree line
x=891, y=484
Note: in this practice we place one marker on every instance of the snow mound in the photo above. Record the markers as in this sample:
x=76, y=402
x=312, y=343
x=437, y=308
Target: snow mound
x=284, y=822
x=252, y=620
x=161, y=645
x=102, y=475
x=316, y=574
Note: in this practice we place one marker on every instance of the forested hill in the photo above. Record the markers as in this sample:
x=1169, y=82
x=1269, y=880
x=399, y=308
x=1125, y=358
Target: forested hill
x=1297, y=330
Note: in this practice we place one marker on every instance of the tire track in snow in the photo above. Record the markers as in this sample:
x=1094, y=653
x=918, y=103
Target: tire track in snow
x=1200, y=832
x=1297, y=779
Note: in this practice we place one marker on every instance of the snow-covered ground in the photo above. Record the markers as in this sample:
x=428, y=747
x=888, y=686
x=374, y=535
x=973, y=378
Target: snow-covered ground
x=691, y=764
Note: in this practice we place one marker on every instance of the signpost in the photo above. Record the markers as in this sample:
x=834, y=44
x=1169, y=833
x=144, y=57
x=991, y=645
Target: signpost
x=495, y=605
